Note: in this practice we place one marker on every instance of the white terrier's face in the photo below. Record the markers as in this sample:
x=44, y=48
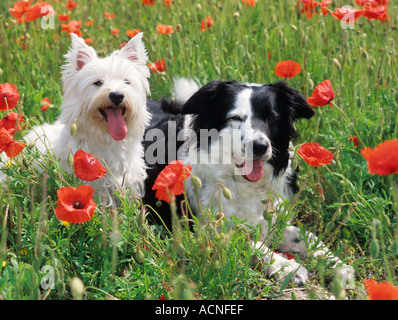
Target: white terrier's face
x=108, y=93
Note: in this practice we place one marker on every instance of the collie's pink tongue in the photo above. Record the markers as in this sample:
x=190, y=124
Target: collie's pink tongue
x=254, y=170
x=116, y=125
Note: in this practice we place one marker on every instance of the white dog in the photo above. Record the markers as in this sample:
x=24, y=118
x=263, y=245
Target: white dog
x=107, y=96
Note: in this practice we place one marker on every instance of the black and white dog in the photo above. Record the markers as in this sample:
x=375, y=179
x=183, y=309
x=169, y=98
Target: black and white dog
x=237, y=135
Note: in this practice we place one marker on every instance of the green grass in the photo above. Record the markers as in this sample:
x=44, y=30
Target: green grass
x=354, y=209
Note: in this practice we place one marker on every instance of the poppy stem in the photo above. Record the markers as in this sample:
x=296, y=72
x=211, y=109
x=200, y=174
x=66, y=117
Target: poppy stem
x=393, y=184
x=110, y=172
x=348, y=120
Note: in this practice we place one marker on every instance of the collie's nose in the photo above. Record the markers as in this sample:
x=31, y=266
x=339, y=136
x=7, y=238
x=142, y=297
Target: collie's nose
x=260, y=147
x=116, y=97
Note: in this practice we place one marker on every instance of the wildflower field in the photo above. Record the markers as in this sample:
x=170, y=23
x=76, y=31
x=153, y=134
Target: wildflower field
x=340, y=54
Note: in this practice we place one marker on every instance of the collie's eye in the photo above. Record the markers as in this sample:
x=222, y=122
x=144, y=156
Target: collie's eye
x=98, y=83
x=126, y=81
x=236, y=118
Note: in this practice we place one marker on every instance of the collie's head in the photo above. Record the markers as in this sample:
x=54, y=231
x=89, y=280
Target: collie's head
x=245, y=126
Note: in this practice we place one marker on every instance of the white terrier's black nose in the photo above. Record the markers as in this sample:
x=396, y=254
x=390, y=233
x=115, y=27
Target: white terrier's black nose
x=116, y=97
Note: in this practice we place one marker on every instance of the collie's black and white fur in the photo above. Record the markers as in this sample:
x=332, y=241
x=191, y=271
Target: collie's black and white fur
x=248, y=152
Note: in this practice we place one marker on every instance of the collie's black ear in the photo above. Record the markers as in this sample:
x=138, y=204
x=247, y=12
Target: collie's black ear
x=209, y=104
x=294, y=101
x=202, y=98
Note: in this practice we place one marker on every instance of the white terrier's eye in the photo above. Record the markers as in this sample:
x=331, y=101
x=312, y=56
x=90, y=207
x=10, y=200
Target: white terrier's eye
x=98, y=83
x=126, y=81
x=236, y=118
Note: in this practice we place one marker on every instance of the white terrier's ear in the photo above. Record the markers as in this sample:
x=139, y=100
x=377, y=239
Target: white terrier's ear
x=80, y=53
x=135, y=50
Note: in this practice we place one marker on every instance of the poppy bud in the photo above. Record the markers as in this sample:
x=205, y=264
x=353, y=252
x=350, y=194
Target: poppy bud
x=179, y=27
x=364, y=53
x=77, y=288
x=25, y=163
x=227, y=193
x=148, y=296
x=140, y=256
x=180, y=249
x=386, y=220
x=158, y=203
x=394, y=247
x=329, y=226
x=374, y=248
x=207, y=251
x=375, y=222
x=70, y=157
x=310, y=83
x=215, y=263
x=196, y=182
x=281, y=35
x=144, y=230
x=73, y=128
x=31, y=145
x=337, y=63
x=220, y=215
x=198, y=7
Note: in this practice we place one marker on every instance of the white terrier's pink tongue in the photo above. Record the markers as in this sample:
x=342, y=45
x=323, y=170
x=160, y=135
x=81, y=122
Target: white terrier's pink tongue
x=255, y=170
x=116, y=125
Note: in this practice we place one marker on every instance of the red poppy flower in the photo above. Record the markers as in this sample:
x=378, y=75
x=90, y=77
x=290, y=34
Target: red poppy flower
x=287, y=69
x=149, y=2
x=373, y=3
x=88, y=41
x=87, y=167
x=38, y=10
x=168, y=3
x=115, y=31
x=70, y=5
x=171, y=180
x=378, y=13
x=63, y=17
x=19, y=9
x=164, y=29
x=44, y=104
x=250, y=3
x=381, y=291
x=12, y=148
x=322, y=95
x=9, y=96
x=109, y=16
x=158, y=66
x=72, y=27
x=90, y=22
x=206, y=23
x=308, y=7
x=9, y=122
x=382, y=160
x=354, y=140
x=314, y=154
x=132, y=33
x=75, y=205
x=348, y=15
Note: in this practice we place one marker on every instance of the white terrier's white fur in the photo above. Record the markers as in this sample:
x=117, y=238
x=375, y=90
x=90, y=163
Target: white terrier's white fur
x=87, y=82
